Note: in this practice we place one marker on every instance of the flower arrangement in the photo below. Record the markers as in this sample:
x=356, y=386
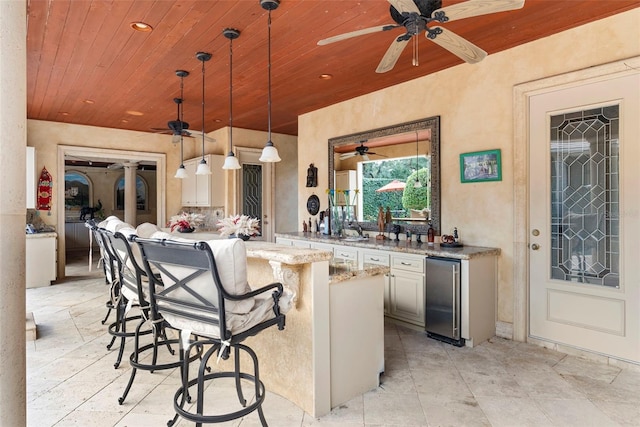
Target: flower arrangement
x=239, y=225
x=185, y=221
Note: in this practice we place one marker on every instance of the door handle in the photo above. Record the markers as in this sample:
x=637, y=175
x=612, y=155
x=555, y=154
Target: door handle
x=535, y=246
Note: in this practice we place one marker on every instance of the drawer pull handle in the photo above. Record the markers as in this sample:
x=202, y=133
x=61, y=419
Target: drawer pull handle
x=405, y=263
x=374, y=259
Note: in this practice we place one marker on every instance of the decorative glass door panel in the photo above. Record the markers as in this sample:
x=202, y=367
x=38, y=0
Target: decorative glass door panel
x=252, y=190
x=585, y=196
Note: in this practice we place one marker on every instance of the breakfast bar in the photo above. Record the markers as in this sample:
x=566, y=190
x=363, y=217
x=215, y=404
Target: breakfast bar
x=332, y=347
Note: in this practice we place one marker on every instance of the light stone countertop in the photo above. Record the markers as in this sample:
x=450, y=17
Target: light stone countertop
x=465, y=252
x=42, y=235
x=267, y=250
x=341, y=274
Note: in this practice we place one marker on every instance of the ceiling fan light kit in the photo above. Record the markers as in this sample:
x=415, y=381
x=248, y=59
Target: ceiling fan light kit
x=203, y=167
x=231, y=162
x=269, y=152
x=416, y=15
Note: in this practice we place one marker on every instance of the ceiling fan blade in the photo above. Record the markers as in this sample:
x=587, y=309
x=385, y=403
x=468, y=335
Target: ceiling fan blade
x=344, y=156
x=391, y=56
x=459, y=46
x=357, y=33
x=478, y=7
x=405, y=6
x=198, y=134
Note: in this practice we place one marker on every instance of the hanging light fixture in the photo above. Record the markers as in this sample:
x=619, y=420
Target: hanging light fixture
x=181, y=173
x=231, y=161
x=203, y=167
x=269, y=152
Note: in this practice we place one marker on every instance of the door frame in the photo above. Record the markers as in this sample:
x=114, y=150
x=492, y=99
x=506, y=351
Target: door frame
x=104, y=153
x=521, y=95
x=268, y=209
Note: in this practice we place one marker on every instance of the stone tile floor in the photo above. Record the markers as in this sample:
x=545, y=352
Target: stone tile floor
x=71, y=380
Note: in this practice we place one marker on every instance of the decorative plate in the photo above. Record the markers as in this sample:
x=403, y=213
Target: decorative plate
x=313, y=204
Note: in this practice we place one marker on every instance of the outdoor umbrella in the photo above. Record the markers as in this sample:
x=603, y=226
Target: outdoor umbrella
x=394, y=185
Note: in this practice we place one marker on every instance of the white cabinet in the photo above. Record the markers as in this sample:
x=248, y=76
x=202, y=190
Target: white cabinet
x=407, y=289
x=204, y=190
x=405, y=285
x=40, y=259
x=345, y=180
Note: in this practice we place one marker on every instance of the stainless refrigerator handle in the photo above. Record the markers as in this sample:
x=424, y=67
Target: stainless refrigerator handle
x=455, y=299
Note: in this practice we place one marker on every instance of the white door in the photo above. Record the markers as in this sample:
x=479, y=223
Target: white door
x=584, y=239
x=255, y=189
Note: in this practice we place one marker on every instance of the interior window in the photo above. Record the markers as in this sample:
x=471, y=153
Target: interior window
x=141, y=194
x=402, y=184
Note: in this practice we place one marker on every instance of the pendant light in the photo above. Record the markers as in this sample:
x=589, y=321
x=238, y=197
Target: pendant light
x=269, y=152
x=203, y=167
x=231, y=161
x=181, y=173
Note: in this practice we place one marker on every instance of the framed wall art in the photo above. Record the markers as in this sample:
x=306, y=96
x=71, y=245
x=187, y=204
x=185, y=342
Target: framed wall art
x=481, y=166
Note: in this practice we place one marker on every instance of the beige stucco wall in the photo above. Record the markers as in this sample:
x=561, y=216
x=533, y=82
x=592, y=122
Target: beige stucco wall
x=475, y=105
x=46, y=136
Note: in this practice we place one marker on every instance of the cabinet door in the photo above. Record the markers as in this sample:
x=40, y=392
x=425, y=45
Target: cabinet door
x=345, y=180
x=407, y=297
x=189, y=183
x=203, y=190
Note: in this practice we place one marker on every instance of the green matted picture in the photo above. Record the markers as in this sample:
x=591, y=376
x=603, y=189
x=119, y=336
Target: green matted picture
x=481, y=166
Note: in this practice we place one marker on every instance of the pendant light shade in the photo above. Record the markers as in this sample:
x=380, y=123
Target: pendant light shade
x=203, y=167
x=231, y=161
x=181, y=173
x=269, y=153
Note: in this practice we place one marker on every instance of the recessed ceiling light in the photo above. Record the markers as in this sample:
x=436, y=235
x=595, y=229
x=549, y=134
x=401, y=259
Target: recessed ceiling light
x=89, y=101
x=326, y=76
x=134, y=113
x=124, y=121
x=63, y=113
x=141, y=26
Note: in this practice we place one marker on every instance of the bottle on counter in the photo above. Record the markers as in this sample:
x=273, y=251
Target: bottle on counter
x=455, y=235
x=430, y=234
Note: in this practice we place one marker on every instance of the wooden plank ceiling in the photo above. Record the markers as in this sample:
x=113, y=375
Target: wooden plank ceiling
x=87, y=66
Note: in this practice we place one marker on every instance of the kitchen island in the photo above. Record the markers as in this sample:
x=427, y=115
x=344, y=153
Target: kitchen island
x=332, y=347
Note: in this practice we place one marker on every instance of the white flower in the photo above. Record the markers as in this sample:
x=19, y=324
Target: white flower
x=239, y=224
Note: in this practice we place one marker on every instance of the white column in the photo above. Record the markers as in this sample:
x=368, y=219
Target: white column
x=130, y=209
x=13, y=140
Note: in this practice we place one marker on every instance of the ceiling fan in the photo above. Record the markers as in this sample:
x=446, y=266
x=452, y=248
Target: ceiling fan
x=179, y=127
x=417, y=15
x=360, y=150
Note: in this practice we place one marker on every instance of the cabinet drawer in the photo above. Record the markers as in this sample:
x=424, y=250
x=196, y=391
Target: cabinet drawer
x=345, y=253
x=374, y=257
x=407, y=263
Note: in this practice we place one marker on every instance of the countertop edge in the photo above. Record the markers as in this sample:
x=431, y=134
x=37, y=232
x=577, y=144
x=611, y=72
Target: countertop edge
x=465, y=252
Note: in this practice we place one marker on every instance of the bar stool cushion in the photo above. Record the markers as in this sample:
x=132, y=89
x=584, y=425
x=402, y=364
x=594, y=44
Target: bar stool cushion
x=231, y=262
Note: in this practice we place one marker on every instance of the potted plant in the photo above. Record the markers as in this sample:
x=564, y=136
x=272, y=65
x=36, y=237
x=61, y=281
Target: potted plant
x=186, y=222
x=241, y=226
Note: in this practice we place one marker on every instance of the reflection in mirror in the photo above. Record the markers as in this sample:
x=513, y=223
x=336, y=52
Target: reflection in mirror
x=381, y=156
